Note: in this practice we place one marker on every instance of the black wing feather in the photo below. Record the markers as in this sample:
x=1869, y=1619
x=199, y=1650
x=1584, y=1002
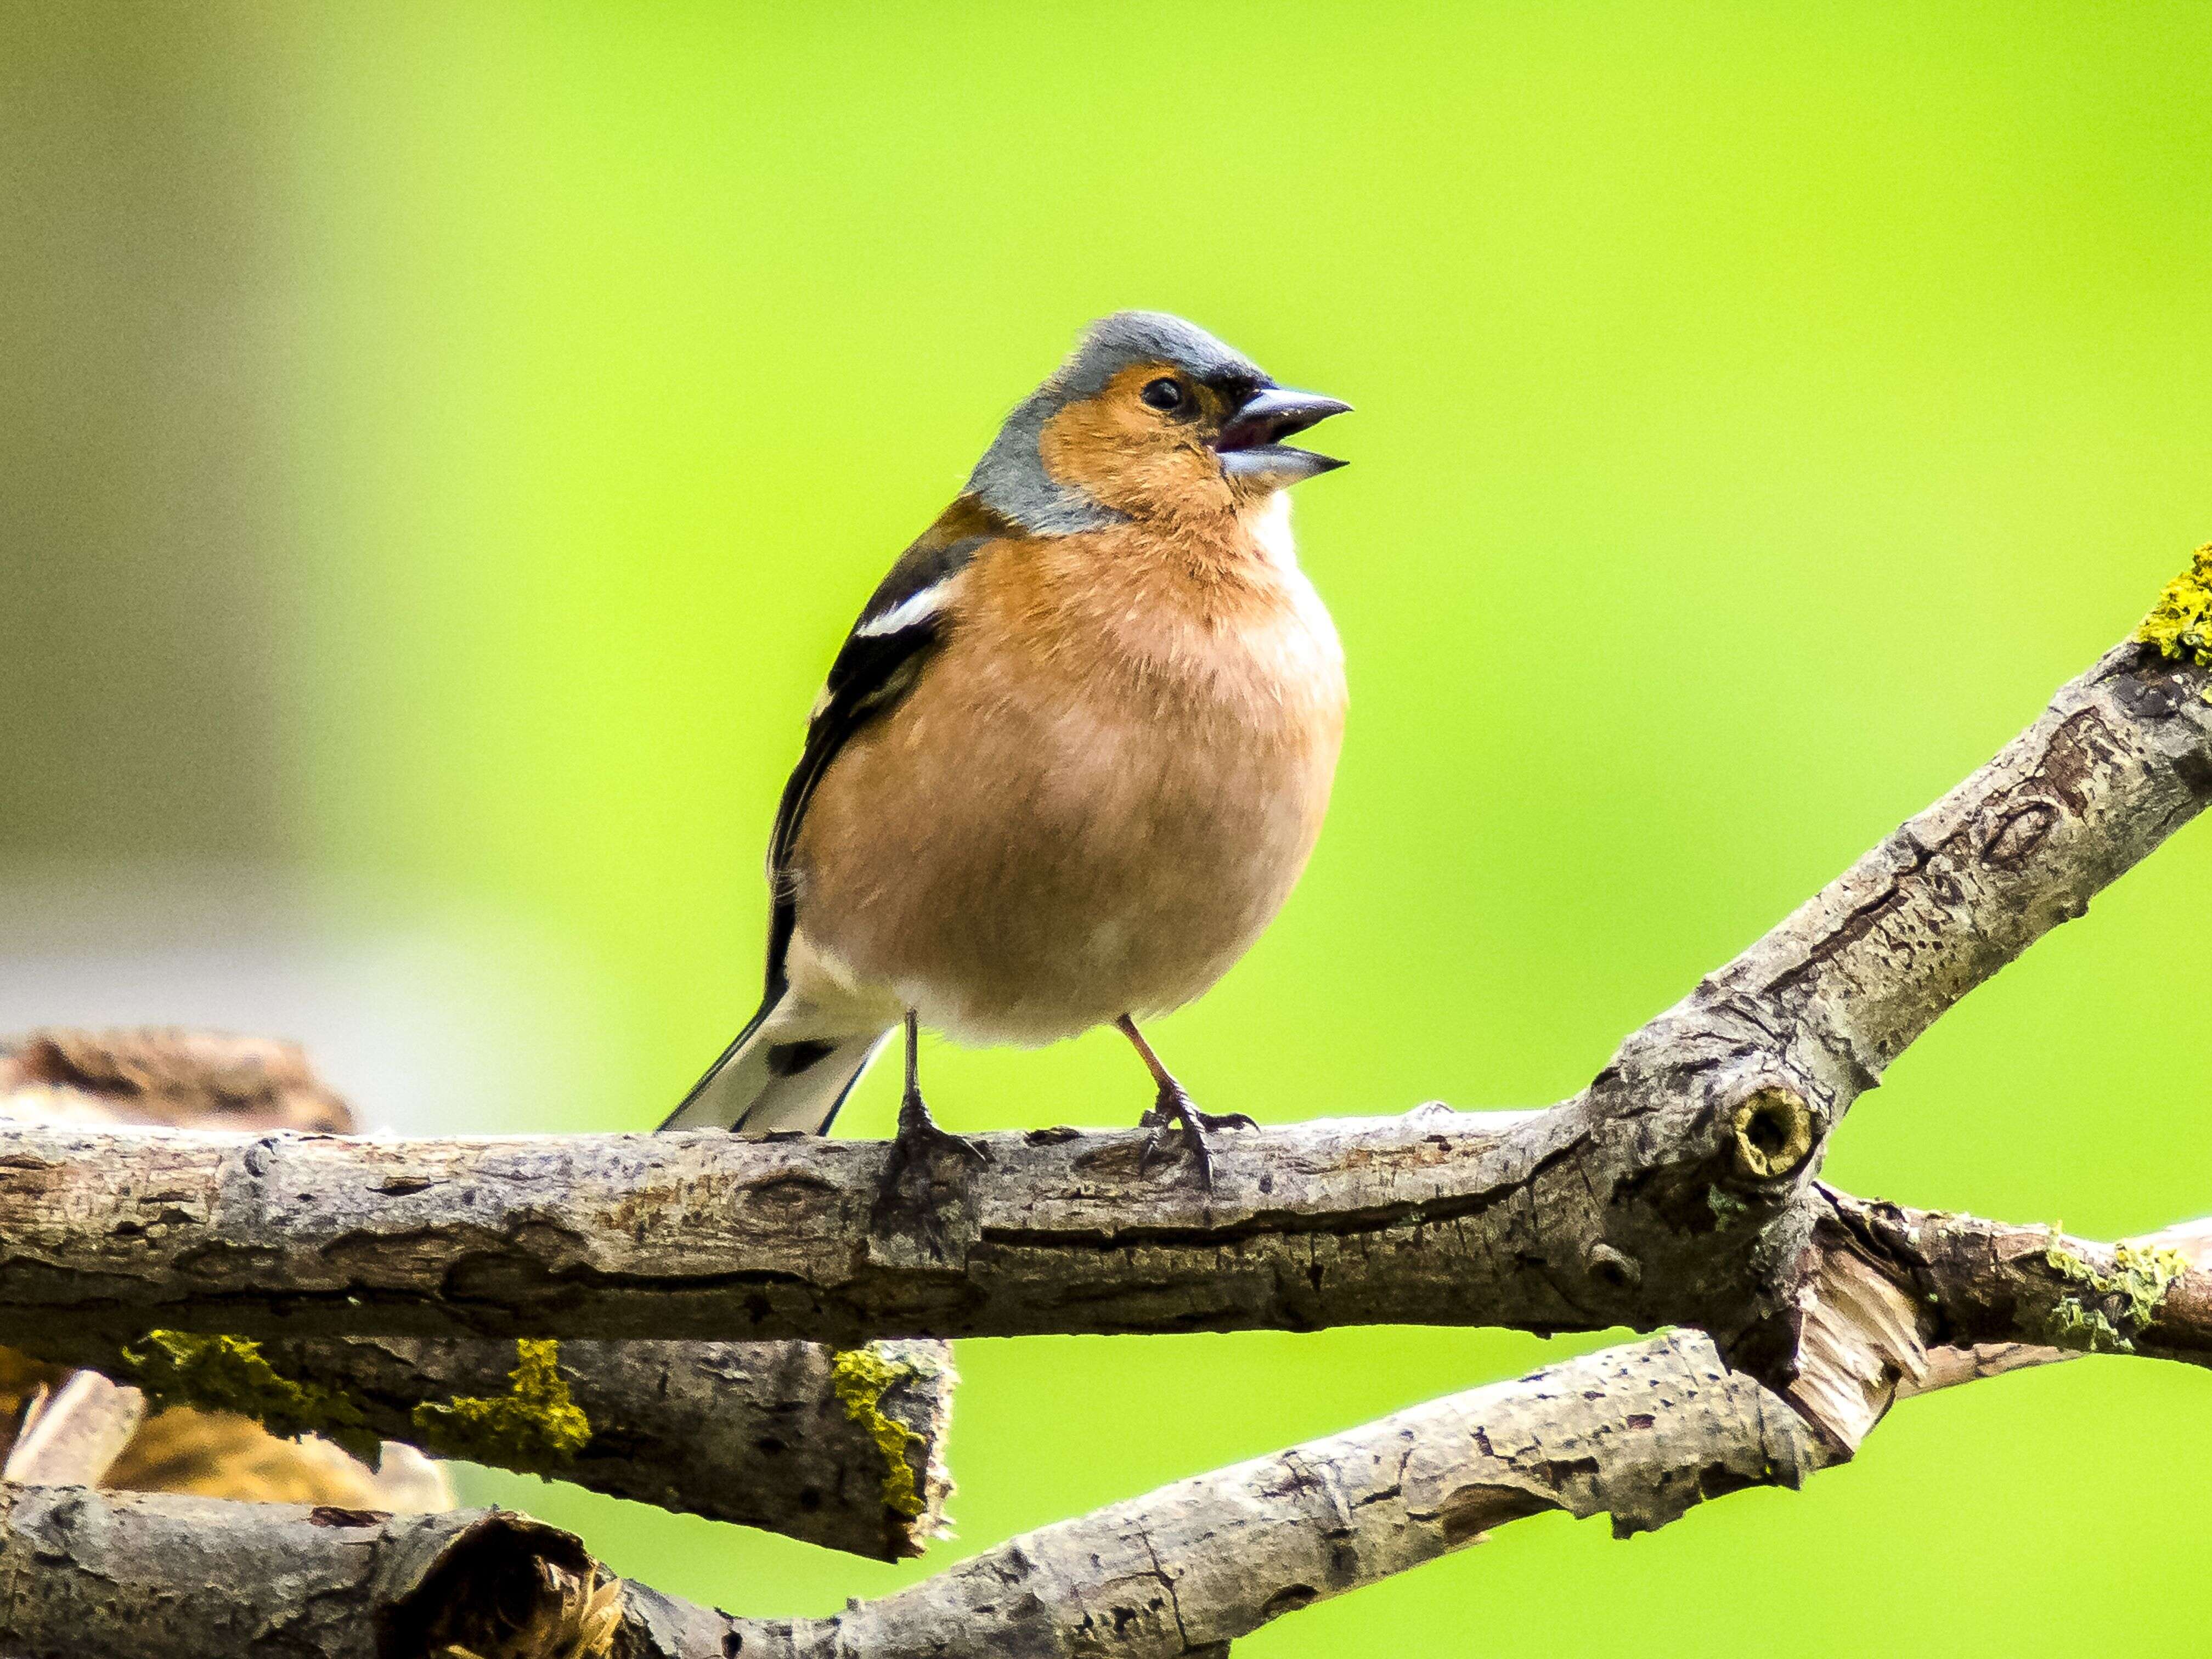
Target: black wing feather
x=871, y=672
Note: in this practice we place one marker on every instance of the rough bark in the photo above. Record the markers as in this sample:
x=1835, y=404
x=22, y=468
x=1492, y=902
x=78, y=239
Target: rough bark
x=100, y=1575
x=1985, y=1284
x=772, y=1435
x=1642, y=1433
x=1678, y=1187
x=1899, y=1303
x=699, y=1236
x=842, y=1449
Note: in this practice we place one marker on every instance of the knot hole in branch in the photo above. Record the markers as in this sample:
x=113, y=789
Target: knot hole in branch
x=1612, y=1268
x=1773, y=1132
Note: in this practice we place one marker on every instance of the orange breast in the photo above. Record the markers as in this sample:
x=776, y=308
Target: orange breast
x=1096, y=796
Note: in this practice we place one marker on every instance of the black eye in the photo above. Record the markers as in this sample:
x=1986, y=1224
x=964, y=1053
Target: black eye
x=1163, y=394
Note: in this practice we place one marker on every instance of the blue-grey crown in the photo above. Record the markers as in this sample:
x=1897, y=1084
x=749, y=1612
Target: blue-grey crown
x=1011, y=478
x=1112, y=343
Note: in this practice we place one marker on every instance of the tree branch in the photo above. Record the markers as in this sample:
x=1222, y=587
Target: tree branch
x=681, y=1236
x=101, y=1575
x=1642, y=1433
x=1984, y=1284
x=840, y=1450
x=1677, y=1189
x=846, y=1451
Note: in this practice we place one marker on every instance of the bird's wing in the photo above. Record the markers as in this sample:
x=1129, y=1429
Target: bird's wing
x=903, y=621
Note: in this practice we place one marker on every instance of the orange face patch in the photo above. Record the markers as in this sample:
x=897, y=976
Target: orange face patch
x=1139, y=459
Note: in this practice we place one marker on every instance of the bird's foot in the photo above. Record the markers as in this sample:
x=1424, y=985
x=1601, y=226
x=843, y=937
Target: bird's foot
x=925, y=1162
x=1173, y=1111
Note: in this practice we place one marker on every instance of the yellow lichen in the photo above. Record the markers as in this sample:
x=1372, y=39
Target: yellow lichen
x=536, y=1427
x=2131, y=1294
x=230, y=1373
x=861, y=1377
x=2181, y=625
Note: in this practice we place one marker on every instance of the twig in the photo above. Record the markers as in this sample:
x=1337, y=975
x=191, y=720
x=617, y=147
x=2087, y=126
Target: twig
x=70, y=1434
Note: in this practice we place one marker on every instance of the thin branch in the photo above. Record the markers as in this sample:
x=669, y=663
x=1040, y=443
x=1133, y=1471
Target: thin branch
x=1900, y=1303
x=2119, y=761
x=1984, y=1284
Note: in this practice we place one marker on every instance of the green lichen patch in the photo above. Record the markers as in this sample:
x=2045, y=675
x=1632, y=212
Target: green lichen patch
x=230, y=1373
x=2181, y=623
x=861, y=1377
x=1726, y=1207
x=2127, y=1297
x=536, y=1427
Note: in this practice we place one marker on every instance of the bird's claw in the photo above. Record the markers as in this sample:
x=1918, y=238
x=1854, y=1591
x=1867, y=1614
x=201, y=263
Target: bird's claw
x=920, y=1153
x=1174, y=1120
x=930, y=1144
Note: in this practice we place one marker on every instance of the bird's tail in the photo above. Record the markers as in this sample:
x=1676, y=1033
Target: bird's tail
x=781, y=1073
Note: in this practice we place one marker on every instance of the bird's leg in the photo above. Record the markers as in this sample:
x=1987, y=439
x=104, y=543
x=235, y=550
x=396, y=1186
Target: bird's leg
x=904, y=1202
x=1173, y=1105
x=918, y=1134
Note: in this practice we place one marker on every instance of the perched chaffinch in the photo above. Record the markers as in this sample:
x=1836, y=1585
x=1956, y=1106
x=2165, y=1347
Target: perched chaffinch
x=1075, y=752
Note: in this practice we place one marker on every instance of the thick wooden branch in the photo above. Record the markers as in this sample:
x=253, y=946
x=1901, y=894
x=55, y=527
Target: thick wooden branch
x=103, y=1237
x=86, y=1574
x=1642, y=1433
x=844, y=1450
x=1677, y=1189
x=1783, y=1039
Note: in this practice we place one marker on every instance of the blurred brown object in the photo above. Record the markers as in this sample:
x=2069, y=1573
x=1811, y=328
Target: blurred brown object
x=180, y=1079
x=159, y=1075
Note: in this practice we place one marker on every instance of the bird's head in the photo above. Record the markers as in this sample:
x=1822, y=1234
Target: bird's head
x=1151, y=416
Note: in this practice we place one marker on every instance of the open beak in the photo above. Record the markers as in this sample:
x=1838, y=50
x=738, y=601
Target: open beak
x=1251, y=444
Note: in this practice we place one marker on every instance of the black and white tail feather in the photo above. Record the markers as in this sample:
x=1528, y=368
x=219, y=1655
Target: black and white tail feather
x=775, y=1078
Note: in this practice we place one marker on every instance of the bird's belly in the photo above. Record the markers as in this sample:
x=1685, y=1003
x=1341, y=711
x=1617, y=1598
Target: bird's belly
x=1032, y=872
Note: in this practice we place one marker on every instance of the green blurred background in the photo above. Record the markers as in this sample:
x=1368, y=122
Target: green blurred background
x=440, y=446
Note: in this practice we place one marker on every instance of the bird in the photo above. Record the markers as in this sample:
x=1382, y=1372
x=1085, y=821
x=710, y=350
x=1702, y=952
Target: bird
x=1073, y=756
